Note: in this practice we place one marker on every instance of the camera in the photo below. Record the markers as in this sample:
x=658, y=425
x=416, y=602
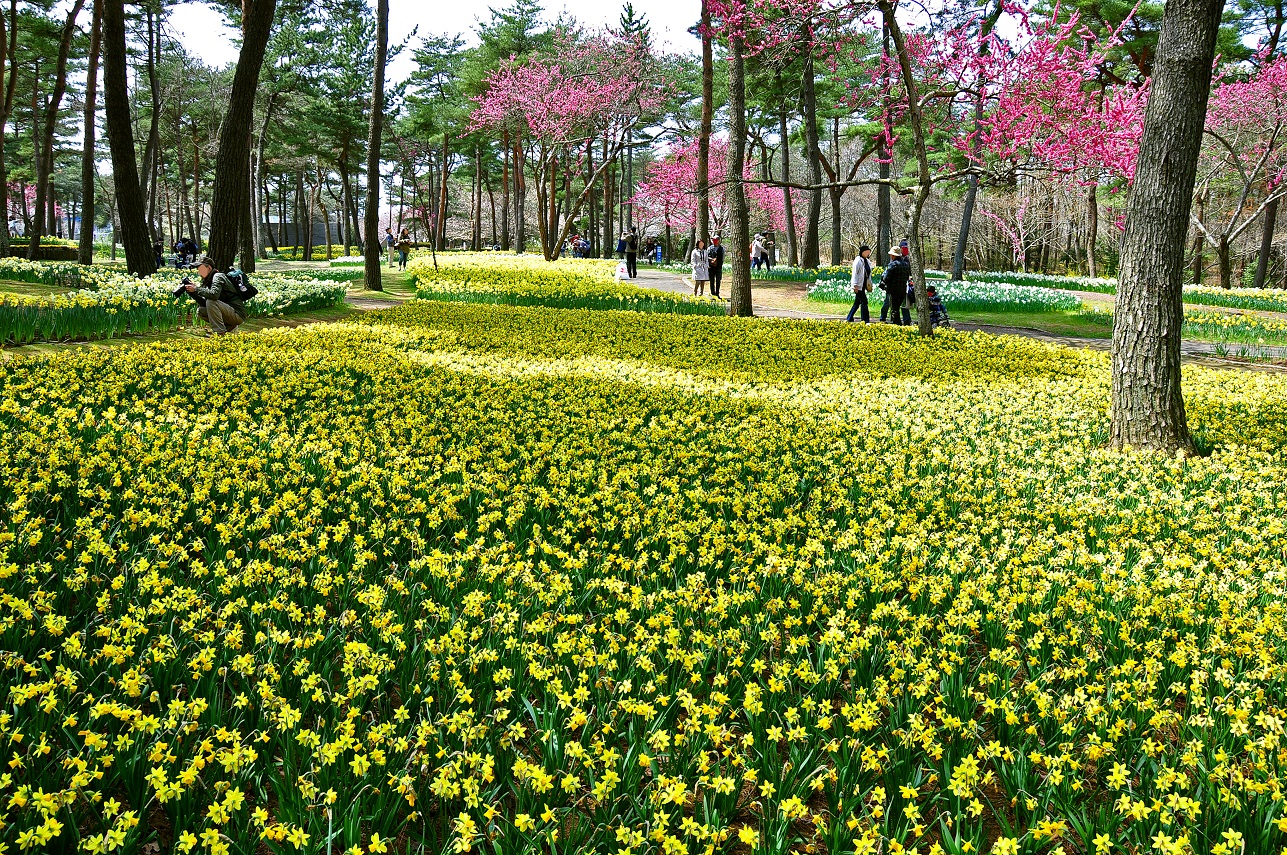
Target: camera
x=182, y=291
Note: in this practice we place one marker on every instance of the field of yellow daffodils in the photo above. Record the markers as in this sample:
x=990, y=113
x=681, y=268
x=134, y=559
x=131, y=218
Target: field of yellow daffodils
x=477, y=578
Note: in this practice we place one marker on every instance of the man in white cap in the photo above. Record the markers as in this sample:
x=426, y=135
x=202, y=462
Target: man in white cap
x=894, y=283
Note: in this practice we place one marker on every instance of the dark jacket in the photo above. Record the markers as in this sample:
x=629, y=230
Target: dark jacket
x=632, y=243
x=217, y=287
x=894, y=281
x=716, y=257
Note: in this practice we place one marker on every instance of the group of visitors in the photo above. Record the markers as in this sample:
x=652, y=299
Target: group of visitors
x=708, y=266
x=896, y=282
x=402, y=243
x=185, y=251
x=760, y=255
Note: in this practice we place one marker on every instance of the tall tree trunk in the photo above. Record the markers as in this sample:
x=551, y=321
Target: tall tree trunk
x=476, y=237
x=246, y=251
x=1225, y=262
x=440, y=242
x=793, y=257
x=151, y=152
x=88, y=172
x=10, y=79
x=505, y=213
x=704, y=134
x=1092, y=229
x=371, y=259
x=924, y=179
x=261, y=202
x=1147, y=401
x=346, y=230
x=232, y=184
x=735, y=191
x=608, y=243
x=884, y=213
x=120, y=136
x=520, y=200
x=809, y=253
x=972, y=182
x=1266, y=243
x=45, y=160
x=837, y=251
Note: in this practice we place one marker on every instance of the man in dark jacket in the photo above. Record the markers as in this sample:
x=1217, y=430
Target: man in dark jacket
x=223, y=307
x=894, y=283
x=632, y=252
x=715, y=264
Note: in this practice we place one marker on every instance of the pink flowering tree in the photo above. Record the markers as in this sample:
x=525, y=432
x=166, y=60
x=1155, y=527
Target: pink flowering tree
x=1244, y=160
x=570, y=115
x=669, y=192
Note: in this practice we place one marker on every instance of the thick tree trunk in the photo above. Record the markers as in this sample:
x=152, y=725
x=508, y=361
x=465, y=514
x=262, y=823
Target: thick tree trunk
x=809, y=253
x=704, y=134
x=793, y=257
x=120, y=135
x=371, y=259
x=1147, y=401
x=88, y=172
x=1266, y=243
x=739, y=240
x=45, y=160
x=232, y=183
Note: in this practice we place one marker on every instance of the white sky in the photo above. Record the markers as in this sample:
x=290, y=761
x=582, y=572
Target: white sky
x=203, y=30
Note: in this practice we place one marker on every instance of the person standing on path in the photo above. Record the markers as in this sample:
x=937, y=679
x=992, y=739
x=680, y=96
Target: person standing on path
x=757, y=251
x=861, y=281
x=894, y=282
x=701, y=268
x=715, y=265
x=389, y=242
x=632, y=253
x=404, y=248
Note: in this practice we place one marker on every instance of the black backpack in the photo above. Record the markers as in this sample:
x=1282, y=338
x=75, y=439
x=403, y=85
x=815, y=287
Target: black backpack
x=241, y=284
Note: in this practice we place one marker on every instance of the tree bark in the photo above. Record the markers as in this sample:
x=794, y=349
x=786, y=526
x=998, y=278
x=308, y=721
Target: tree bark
x=505, y=214
x=735, y=191
x=809, y=253
x=793, y=257
x=1092, y=229
x=45, y=161
x=246, y=251
x=120, y=135
x=1147, y=401
x=232, y=184
x=88, y=172
x=924, y=179
x=151, y=153
x=440, y=241
x=9, y=84
x=1266, y=243
x=371, y=260
x=704, y=134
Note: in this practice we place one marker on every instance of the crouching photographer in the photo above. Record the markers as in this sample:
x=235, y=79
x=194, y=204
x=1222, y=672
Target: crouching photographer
x=221, y=302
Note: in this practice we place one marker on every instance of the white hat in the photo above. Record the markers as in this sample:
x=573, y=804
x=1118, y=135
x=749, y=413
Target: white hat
x=895, y=252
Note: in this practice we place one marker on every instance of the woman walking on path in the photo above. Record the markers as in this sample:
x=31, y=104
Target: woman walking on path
x=701, y=268
x=861, y=281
